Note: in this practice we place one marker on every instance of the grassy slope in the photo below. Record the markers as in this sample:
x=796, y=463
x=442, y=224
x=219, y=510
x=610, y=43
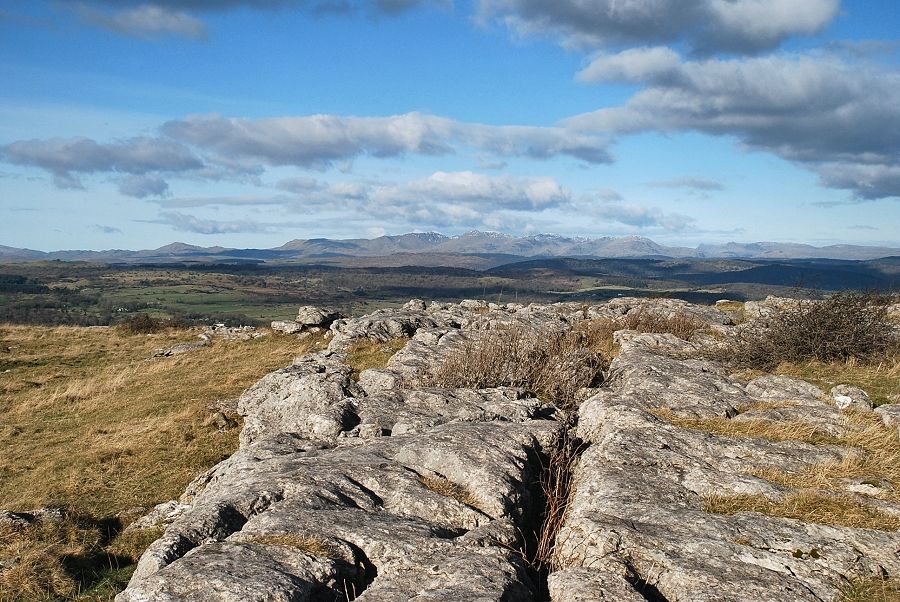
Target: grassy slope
x=88, y=423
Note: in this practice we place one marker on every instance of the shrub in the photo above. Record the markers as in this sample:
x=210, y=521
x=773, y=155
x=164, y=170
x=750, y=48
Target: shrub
x=552, y=364
x=845, y=326
x=142, y=324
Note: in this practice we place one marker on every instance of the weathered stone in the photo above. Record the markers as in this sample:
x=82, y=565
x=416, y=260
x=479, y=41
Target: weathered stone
x=309, y=315
x=286, y=327
x=180, y=348
x=850, y=398
x=890, y=414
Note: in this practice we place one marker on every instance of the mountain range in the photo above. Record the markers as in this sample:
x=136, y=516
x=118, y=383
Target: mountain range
x=432, y=248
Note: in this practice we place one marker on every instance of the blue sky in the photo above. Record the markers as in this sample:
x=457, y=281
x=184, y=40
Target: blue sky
x=132, y=124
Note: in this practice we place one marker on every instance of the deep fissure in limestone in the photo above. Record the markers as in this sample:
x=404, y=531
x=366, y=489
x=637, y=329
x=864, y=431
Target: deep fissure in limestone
x=552, y=492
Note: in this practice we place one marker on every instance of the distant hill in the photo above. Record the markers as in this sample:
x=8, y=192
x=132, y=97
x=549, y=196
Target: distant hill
x=473, y=249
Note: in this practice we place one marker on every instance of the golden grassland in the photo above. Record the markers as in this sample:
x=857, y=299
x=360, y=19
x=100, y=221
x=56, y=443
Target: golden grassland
x=90, y=424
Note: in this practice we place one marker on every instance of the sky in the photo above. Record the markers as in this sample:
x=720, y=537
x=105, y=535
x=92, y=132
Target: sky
x=248, y=123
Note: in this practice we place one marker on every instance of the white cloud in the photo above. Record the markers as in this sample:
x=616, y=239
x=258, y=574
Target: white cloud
x=689, y=183
x=189, y=223
x=318, y=141
x=839, y=119
x=706, y=26
x=642, y=217
x=145, y=21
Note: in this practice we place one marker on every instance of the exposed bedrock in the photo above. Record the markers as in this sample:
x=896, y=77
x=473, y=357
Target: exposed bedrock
x=375, y=486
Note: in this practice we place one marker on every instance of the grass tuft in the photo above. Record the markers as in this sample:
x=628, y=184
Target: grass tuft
x=448, y=488
x=367, y=354
x=809, y=506
x=872, y=589
x=792, y=430
x=313, y=546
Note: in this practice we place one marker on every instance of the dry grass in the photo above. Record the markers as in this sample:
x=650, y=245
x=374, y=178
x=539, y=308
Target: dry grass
x=764, y=429
x=819, y=492
x=552, y=364
x=367, y=354
x=809, y=506
x=879, y=460
x=37, y=555
x=734, y=309
x=87, y=423
x=71, y=559
x=872, y=590
x=448, y=488
x=556, y=487
x=880, y=379
x=313, y=546
x=762, y=406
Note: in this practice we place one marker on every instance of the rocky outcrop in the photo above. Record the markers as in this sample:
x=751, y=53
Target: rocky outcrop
x=378, y=486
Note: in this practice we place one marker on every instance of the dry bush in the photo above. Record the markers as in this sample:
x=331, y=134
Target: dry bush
x=448, y=488
x=552, y=364
x=845, y=326
x=682, y=325
x=809, y=506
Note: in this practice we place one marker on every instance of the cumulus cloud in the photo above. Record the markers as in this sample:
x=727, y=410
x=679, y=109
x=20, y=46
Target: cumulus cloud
x=106, y=229
x=66, y=158
x=216, y=148
x=441, y=199
x=639, y=216
x=474, y=191
x=689, y=183
x=189, y=223
x=840, y=119
x=707, y=26
x=143, y=186
x=145, y=21
x=155, y=18
x=318, y=141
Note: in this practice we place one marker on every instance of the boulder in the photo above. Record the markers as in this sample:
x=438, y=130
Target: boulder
x=286, y=327
x=309, y=315
x=850, y=398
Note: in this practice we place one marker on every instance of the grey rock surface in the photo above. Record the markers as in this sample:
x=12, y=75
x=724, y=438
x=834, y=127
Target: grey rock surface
x=387, y=488
x=309, y=316
x=849, y=398
x=286, y=327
